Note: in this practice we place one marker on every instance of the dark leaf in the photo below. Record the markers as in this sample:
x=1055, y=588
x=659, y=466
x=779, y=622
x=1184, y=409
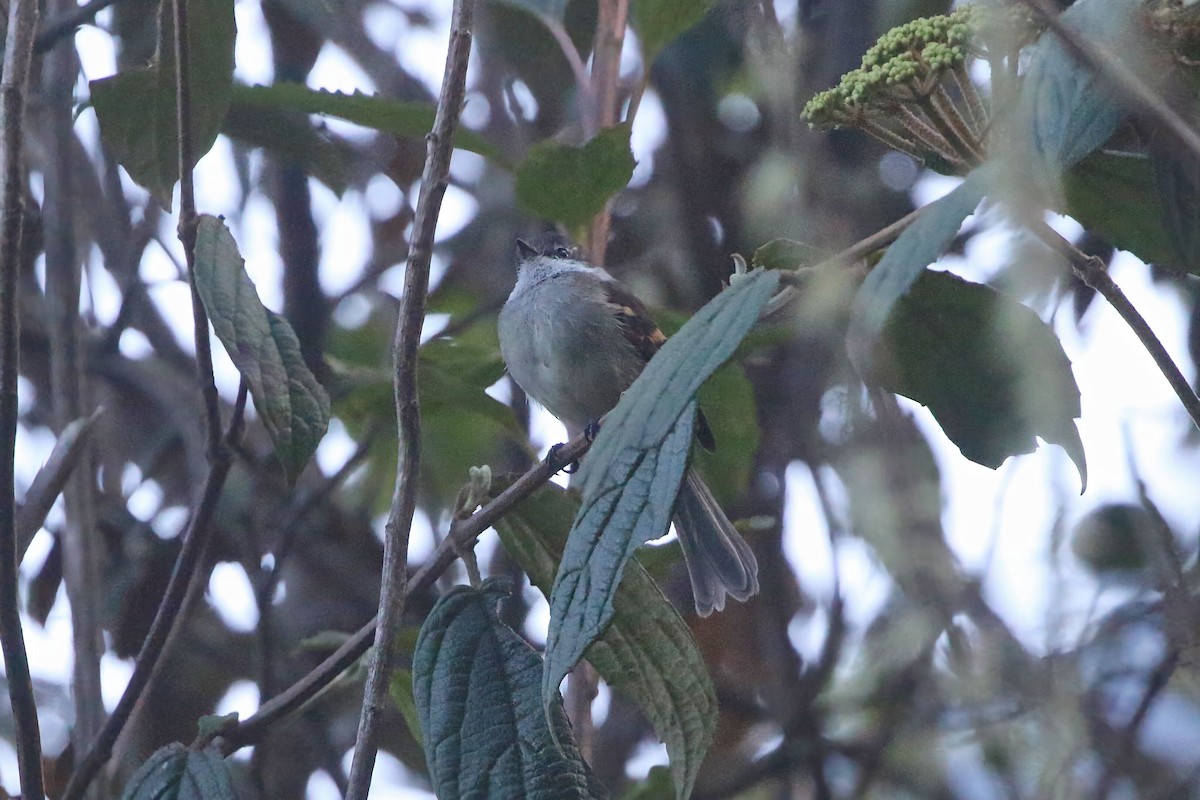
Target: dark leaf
x=993, y=374
x=476, y=682
x=1177, y=182
x=647, y=653
x=632, y=474
x=136, y=108
x=176, y=772
x=292, y=139
x=551, y=9
x=291, y=403
x=658, y=22
x=397, y=117
x=570, y=185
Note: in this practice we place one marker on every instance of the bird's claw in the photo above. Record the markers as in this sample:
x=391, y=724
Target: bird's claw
x=591, y=431
x=553, y=458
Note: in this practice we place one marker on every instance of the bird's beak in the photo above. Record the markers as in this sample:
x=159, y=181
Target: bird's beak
x=525, y=250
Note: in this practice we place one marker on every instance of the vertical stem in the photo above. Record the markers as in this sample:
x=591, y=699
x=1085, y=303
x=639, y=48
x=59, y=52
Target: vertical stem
x=439, y=147
x=606, y=77
x=22, y=26
x=83, y=549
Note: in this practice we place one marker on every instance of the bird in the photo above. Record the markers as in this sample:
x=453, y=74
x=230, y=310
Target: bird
x=574, y=339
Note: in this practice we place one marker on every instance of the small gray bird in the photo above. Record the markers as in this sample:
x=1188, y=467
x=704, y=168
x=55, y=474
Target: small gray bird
x=575, y=339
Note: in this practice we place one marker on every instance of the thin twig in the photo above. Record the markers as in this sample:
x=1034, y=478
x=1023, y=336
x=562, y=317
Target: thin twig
x=583, y=84
x=462, y=533
x=168, y=615
x=1119, y=760
x=392, y=595
x=50, y=480
x=22, y=25
x=1091, y=271
x=1106, y=63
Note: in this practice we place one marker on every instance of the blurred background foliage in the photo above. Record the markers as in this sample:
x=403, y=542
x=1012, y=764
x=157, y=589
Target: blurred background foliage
x=932, y=695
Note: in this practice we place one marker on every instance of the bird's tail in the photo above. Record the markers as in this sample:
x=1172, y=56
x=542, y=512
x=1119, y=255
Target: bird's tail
x=718, y=559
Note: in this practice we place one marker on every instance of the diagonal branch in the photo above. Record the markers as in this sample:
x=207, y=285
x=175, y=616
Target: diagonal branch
x=22, y=26
x=439, y=147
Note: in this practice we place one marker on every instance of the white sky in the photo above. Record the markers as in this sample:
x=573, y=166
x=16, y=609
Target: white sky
x=1122, y=391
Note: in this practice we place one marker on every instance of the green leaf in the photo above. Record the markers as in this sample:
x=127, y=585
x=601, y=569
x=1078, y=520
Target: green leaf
x=657, y=786
x=1066, y=108
x=632, y=474
x=918, y=247
x=397, y=117
x=136, y=108
x=176, y=772
x=659, y=22
x=1176, y=172
x=401, y=690
x=476, y=687
x=293, y=406
x=570, y=185
x=647, y=653
x=993, y=374
x=1113, y=195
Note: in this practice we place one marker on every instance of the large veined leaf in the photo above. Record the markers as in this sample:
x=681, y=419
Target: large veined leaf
x=647, y=653
x=176, y=772
x=631, y=476
x=993, y=374
x=476, y=683
x=136, y=108
x=293, y=406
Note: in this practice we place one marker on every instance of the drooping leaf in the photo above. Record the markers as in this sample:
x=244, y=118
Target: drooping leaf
x=397, y=117
x=293, y=406
x=631, y=476
x=570, y=185
x=176, y=772
x=918, y=247
x=1113, y=195
x=658, y=22
x=476, y=682
x=136, y=108
x=1065, y=108
x=1177, y=186
x=647, y=653
x=993, y=374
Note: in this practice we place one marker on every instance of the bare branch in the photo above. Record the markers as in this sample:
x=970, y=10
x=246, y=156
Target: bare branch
x=392, y=595
x=50, y=480
x=22, y=25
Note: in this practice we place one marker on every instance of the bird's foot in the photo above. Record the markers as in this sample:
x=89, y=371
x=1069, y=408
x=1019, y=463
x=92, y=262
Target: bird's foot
x=556, y=461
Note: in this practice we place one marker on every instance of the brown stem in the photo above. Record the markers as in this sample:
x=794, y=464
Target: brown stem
x=392, y=595
x=606, y=77
x=947, y=122
x=890, y=138
x=976, y=109
x=22, y=25
x=1091, y=271
x=50, y=480
x=928, y=135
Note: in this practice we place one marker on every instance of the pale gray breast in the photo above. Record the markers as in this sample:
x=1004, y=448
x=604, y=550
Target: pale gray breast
x=564, y=347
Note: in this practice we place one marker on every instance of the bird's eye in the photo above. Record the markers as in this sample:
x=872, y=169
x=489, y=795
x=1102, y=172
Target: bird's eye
x=562, y=252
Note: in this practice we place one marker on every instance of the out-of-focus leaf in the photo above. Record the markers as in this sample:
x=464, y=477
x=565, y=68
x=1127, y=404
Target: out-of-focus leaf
x=656, y=786
x=397, y=117
x=176, y=772
x=993, y=374
x=136, y=108
x=918, y=247
x=293, y=140
x=787, y=254
x=632, y=474
x=647, y=653
x=551, y=9
x=571, y=184
x=1065, y=108
x=475, y=682
x=1113, y=538
x=658, y=22
x=1113, y=195
x=1177, y=183
x=401, y=690
x=293, y=406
